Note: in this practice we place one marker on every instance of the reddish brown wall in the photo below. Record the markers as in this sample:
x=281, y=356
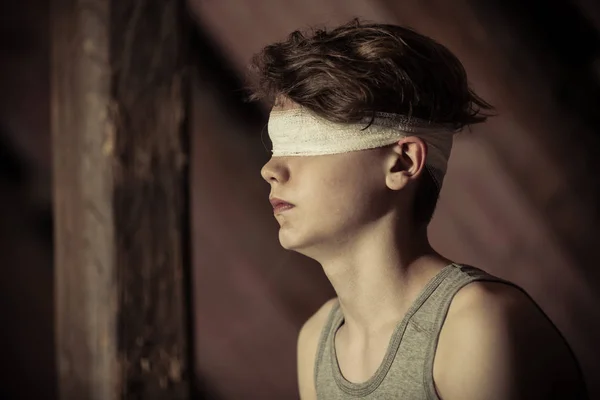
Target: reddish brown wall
x=489, y=214
x=251, y=296
x=26, y=311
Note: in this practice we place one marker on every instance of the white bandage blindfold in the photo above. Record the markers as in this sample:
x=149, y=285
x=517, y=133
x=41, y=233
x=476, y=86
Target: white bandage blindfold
x=299, y=132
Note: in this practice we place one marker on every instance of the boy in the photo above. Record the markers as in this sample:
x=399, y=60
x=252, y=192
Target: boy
x=362, y=127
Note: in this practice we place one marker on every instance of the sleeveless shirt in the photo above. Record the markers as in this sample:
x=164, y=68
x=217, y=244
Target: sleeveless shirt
x=406, y=371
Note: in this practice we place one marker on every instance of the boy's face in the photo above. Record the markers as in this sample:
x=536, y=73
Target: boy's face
x=338, y=197
x=335, y=197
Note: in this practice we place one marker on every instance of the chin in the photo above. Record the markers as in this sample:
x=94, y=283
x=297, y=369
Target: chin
x=288, y=242
x=300, y=245
x=292, y=242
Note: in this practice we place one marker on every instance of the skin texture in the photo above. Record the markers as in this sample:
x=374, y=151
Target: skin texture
x=504, y=347
x=352, y=214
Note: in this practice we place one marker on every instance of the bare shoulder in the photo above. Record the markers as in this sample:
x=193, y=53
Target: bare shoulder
x=496, y=343
x=308, y=340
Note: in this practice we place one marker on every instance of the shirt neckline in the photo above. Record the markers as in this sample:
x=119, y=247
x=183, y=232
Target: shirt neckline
x=367, y=387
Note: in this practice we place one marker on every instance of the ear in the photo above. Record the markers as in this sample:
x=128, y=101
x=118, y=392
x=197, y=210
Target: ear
x=407, y=161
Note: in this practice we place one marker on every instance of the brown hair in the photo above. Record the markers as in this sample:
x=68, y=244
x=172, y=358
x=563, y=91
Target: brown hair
x=357, y=69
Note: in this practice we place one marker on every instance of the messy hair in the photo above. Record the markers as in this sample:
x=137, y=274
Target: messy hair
x=348, y=73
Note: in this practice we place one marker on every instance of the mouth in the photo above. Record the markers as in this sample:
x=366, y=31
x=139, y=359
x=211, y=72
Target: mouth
x=280, y=206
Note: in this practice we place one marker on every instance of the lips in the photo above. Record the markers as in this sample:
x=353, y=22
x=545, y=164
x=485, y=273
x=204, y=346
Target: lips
x=280, y=205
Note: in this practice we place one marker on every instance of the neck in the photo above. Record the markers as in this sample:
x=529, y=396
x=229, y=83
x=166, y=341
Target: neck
x=378, y=276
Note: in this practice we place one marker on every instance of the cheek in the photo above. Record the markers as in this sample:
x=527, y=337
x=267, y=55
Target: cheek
x=349, y=196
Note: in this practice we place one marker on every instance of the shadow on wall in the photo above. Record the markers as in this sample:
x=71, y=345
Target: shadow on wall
x=26, y=306
x=490, y=215
x=26, y=286
x=251, y=296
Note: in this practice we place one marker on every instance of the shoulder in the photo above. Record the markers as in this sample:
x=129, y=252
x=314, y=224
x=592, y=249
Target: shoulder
x=496, y=343
x=311, y=330
x=308, y=341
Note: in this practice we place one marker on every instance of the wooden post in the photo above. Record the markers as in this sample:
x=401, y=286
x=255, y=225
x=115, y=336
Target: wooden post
x=119, y=107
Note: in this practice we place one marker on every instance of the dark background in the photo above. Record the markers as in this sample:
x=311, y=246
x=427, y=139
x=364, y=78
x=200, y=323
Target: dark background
x=521, y=197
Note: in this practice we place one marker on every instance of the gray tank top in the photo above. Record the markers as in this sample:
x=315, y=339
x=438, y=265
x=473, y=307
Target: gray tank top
x=406, y=371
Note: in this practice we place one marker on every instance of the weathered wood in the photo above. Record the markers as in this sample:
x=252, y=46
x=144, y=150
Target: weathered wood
x=119, y=107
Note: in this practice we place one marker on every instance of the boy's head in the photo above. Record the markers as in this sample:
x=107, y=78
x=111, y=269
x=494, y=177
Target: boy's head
x=355, y=73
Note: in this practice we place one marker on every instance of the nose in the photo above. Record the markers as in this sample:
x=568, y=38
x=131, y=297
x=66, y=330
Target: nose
x=275, y=170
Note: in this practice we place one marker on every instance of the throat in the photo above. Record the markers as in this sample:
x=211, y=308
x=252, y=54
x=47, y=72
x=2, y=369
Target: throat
x=360, y=359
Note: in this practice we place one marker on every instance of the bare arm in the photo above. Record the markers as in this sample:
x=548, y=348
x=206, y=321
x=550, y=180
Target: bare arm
x=308, y=340
x=496, y=345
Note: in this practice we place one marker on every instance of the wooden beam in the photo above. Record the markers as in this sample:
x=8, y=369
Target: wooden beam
x=119, y=112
